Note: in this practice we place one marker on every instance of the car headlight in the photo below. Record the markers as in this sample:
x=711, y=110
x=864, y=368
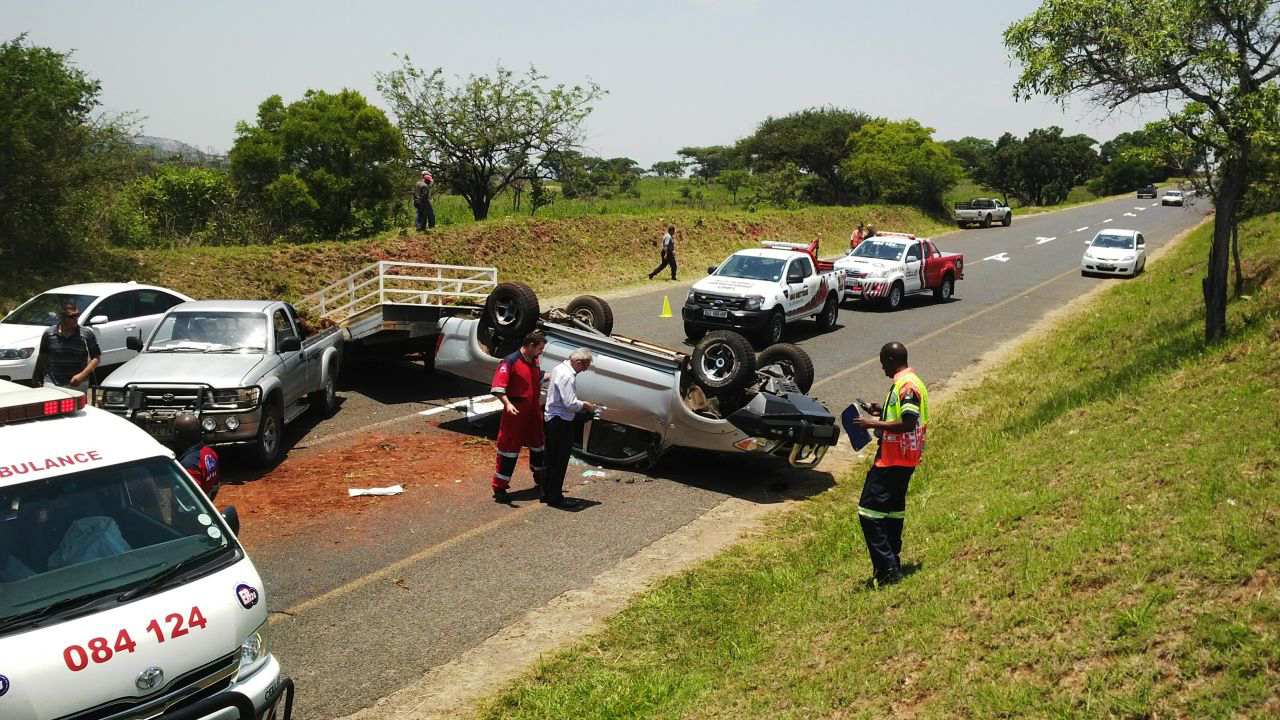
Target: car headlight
x=235, y=398
x=754, y=302
x=16, y=353
x=254, y=652
x=689, y=298
x=108, y=397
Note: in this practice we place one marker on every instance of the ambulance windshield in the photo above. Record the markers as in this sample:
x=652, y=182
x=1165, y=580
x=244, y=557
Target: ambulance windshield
x=70, y=541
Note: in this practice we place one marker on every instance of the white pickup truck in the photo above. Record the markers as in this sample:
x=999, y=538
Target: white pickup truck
x=983, y=211
x=758, y=291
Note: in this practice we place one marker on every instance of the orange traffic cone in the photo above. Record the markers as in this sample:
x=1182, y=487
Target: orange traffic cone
x=666, y=307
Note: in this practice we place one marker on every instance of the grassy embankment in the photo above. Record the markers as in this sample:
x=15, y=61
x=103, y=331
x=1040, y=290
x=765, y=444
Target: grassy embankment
x=1099, y=526
x=557, y=256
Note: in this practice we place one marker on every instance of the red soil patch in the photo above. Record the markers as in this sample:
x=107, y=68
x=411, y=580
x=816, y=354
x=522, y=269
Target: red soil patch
x=311, y=486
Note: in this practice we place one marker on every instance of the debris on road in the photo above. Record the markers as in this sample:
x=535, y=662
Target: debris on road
x=392, y=490
x=594, y=473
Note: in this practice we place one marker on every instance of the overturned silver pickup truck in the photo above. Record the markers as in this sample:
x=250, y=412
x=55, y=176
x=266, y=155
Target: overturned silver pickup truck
x=723, y=397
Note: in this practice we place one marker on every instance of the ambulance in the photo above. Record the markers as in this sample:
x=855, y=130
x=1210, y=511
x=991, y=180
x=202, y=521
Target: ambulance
x=124, y=594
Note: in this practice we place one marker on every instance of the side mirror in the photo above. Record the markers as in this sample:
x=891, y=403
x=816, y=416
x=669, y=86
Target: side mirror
x=133, y=343
x=793, y=278
x=711, y=270
x=232, y=518
x=97, y=320
x=290, y=344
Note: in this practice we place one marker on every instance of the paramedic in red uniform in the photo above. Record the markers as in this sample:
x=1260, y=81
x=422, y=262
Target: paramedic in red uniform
x=518, y=384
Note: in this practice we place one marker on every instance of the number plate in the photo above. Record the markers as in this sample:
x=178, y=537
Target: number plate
x=715, y=313
x=160, y=430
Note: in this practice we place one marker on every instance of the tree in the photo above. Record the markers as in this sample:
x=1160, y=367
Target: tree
x=668, y=168
x=733, y=179
x=51, y=145
x=174, y=203
x=899, y=162
x=1217, y=56
x=1040, y=169
x=709, y=161
x=999, y=169
x=970, y=151
x=813, y=140
x=479, y=135
x=330, y=161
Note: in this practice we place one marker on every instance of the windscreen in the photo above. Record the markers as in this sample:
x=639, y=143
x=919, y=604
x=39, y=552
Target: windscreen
x=750, y=267
x=879, y=250
x=212, y=332
x=43, y=309
x=1120, y=242
x=77, y=540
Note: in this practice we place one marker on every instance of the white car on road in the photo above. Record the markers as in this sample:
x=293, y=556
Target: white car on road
x=1173, y=197
x=113, y=311
x=1115, y=252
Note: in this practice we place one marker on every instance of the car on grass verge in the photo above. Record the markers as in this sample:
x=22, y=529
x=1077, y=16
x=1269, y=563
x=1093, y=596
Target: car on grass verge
x=890, y=266
x=113, y=312
x=983, y=211
x=1115, y=251
x=123, y=592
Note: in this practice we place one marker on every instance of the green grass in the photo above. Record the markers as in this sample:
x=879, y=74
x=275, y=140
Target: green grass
x=557, y=256
x=1098, y=526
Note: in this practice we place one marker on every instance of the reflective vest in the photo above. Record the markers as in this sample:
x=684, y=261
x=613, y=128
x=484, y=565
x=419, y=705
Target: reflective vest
x=904, y=449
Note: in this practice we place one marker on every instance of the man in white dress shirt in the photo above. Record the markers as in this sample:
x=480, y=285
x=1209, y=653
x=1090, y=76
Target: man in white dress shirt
x=563, y=407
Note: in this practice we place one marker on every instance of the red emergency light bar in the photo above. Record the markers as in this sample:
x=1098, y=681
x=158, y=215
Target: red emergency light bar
x=894, y=234
x=39, y=409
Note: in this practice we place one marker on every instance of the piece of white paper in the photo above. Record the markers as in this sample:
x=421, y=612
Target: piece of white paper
x=393, y=490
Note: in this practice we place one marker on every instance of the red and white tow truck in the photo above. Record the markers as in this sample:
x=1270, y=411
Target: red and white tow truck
x=890, y=266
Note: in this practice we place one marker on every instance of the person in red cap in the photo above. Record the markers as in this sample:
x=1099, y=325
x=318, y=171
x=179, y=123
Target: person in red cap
x=422, y=201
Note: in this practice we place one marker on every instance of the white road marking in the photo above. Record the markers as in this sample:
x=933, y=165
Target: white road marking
x=1086, y=227
x=454, y=405
x=1135, y=207
x=1130, y=215
x=1154, y=204
x=1043, y=240
x=1104, y=222
x=1002, y=257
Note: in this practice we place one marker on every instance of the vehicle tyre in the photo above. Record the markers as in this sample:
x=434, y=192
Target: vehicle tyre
x=893, y=300
x=593, y=311
x=962, y=224
x=986, y=221
x=1008, y=219
x=268, y=447
x=325, y=400
x=792, y=360
x=693, y=332
x=498, y=345
x=772, y=331
x=943, y=292
x=724, y=363
x=512, y=310
x=830, y=311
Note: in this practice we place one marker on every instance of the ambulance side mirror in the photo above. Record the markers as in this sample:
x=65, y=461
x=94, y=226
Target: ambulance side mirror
x=232, y=518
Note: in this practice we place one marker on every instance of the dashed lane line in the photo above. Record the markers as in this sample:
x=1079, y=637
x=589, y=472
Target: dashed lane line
x=1082, y=229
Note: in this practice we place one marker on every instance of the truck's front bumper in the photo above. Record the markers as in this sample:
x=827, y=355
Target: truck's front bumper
x=159, y=423
x=748, y=320
x=264, y=694
x=866, y=289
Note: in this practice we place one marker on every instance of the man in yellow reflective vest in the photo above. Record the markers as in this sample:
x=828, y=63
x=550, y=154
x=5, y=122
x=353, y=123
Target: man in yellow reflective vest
x=904, y=417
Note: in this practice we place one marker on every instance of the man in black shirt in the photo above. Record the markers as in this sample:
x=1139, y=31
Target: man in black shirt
x=68, y=353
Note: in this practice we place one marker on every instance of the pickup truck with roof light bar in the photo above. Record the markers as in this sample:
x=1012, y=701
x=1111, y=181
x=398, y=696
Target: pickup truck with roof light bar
x=890, y=266
x=758, y=291
x=983, y=211
x=124, y=593
x=247, y=367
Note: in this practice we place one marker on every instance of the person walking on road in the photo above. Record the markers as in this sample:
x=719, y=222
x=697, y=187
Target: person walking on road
x=563, y=409
x=426, y=215
x=68, y=353
x=668, y=253
x=904, y=418
x=518, y=385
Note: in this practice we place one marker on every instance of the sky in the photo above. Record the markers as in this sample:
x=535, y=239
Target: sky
x=677, y=72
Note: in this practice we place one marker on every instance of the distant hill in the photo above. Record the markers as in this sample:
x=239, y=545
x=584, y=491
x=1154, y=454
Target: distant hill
x=166, y=148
